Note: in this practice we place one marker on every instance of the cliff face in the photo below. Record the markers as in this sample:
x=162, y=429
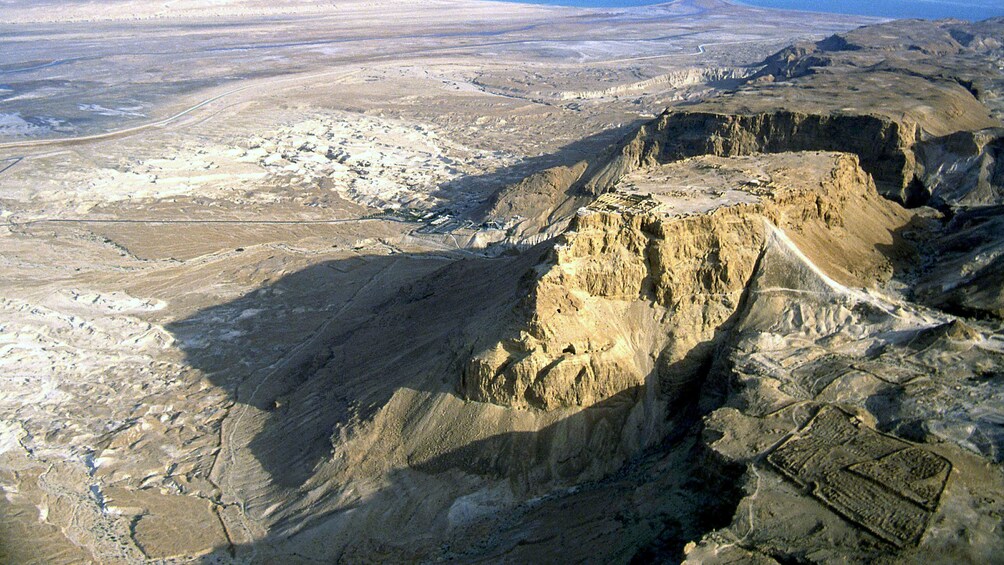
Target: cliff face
x=883, y=145
x=629, y=300
x=903, y=97
x=543, y=202
x=743, y=317
x=730, y=331
x=903, y=169
x=965, y=168
x=600, y=309
x=673, y=80
x=969, y=253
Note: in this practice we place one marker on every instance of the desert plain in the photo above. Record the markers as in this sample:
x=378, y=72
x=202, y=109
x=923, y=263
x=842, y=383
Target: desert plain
x=478, y=281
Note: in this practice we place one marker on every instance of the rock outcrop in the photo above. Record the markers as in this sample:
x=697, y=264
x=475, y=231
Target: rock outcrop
x=733, y=333
x=826, y=396
x=883, y=145
x=673, y=80
x=625, y=297
x=903, y=97
x=964, y=168
x=966, y=264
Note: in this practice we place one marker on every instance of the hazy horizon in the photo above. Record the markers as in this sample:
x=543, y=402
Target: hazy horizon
x=926, y=9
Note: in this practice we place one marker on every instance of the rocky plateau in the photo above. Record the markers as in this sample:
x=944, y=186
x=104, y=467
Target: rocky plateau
x=493, y=301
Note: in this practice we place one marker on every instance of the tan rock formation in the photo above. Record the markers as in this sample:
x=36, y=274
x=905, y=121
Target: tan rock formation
x=622, y=296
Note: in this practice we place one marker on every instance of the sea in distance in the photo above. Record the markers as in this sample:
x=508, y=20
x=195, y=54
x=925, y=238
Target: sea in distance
x=928, y=9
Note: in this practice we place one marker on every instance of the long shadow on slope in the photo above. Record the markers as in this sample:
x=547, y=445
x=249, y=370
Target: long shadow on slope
x=593, y=149
x=330, y=344
x=645, y=511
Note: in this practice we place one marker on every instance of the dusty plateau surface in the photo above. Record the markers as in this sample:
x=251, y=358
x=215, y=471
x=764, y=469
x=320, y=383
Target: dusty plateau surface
x=483, y=282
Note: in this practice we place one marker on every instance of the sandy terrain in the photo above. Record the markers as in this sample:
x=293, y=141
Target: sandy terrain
x=207, y=205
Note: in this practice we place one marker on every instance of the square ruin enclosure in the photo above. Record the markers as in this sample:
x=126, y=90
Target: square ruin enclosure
x=883, y=484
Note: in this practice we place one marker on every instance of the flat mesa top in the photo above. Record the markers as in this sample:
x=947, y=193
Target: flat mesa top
x=702, y=184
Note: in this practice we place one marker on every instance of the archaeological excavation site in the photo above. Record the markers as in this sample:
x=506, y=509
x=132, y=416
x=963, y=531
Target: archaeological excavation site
x=467, y=281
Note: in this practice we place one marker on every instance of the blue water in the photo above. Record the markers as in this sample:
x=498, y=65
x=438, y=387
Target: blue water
x=928, y=9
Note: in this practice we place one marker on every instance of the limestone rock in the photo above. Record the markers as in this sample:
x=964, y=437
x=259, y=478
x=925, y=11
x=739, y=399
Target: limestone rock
x=620, y=291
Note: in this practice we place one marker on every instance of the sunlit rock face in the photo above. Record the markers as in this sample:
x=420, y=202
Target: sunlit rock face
x=486, y=282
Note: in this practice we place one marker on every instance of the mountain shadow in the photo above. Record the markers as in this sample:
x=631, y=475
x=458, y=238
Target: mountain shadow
x=646, y=511
x=329, y=345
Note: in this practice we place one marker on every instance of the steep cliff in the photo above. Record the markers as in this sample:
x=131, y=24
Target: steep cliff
x=865, y=426
x=965, y=168
x=623, y=297
x=884, y=148
x=966, y=265
x=903, y=97
x=883, y=145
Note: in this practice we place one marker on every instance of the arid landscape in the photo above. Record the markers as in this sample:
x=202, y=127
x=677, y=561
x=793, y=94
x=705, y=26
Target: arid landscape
x=469, y=281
